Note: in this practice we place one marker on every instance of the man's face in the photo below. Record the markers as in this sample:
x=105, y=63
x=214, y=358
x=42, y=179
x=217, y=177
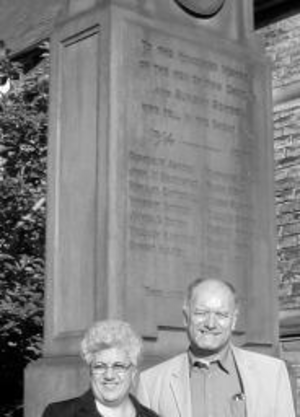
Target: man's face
x=210, y=317
x=112, y=375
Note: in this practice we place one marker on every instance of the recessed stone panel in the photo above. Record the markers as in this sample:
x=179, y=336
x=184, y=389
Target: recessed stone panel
x=194, y=177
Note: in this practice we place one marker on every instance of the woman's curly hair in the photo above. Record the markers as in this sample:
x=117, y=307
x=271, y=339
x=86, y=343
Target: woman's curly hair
x=111, y=334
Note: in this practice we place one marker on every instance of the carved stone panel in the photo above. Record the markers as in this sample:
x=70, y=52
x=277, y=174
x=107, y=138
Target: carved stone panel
x=73, y=186
x=196, y=174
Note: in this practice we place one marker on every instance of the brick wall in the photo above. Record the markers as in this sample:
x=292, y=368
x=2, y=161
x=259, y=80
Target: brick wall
x=287, y=180
x=282, y=45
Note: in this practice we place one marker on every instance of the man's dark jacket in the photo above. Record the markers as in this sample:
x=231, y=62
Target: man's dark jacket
x=85, y=406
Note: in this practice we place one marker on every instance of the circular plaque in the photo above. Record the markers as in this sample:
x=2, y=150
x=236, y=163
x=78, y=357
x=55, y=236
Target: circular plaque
x=202, y=8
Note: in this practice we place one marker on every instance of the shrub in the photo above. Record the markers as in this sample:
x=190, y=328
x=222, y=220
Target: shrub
x=23, y=152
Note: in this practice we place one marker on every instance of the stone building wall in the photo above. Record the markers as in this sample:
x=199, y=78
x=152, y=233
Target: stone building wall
x=282, y=45
x=25, y=23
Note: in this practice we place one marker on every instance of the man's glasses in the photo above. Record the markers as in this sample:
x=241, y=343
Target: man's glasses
x=117, y=368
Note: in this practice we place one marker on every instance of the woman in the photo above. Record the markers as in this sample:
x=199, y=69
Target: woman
x=112, y=351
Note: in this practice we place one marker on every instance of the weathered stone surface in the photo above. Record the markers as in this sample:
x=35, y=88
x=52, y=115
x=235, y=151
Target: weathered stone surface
x=195, y=173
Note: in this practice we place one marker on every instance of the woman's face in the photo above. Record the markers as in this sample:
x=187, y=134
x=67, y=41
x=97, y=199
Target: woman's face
x=112, y=376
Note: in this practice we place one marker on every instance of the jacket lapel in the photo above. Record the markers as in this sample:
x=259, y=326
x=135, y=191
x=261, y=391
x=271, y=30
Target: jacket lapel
x=87, y=406
x=180, y=386
x=249, y=380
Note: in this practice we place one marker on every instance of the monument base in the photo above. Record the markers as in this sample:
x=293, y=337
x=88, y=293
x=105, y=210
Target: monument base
x=53, y=379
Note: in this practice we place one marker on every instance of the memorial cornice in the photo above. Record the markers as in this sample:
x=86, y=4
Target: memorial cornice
x=24, y=23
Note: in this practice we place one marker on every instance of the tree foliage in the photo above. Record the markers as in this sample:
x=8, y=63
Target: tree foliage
x=23, y=152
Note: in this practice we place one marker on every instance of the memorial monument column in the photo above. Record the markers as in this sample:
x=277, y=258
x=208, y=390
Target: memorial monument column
x=160, y=171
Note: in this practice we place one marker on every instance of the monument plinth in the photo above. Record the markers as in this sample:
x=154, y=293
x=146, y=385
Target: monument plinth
x=160, y=171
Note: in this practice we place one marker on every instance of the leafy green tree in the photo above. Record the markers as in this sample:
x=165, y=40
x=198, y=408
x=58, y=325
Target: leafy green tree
x=23, y=152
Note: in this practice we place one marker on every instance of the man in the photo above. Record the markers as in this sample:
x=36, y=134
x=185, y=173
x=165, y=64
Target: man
x=214, y=378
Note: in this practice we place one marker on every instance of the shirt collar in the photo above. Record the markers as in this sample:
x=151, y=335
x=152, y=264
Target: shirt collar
x=224, y=359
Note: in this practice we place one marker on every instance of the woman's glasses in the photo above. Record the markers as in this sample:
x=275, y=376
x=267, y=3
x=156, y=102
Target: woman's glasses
x=118, y=368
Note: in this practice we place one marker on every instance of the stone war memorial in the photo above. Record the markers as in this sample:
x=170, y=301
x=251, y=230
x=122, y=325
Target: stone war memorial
x=160, y=171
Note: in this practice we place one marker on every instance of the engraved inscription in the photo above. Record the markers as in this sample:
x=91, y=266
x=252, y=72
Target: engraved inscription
x=192, y=157
x=161, y=202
